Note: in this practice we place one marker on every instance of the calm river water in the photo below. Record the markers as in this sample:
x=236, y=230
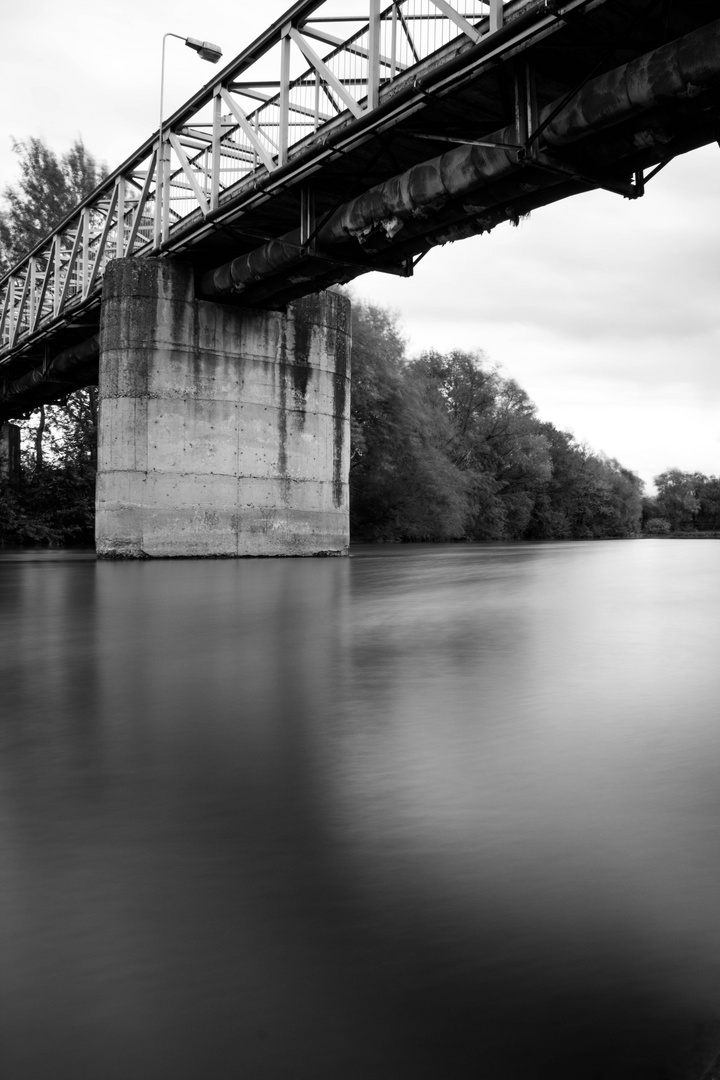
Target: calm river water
x=432, y=812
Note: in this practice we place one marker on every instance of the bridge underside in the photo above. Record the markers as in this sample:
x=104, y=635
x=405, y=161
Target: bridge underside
x=567, y=97
x=598, y=101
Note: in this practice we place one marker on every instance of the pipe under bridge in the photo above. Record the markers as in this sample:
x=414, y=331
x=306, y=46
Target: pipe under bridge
x=364, y=152
x=348, y=137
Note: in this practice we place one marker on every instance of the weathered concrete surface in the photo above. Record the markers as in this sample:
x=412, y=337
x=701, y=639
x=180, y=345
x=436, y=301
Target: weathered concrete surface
x=222, y=432
x=9, y=452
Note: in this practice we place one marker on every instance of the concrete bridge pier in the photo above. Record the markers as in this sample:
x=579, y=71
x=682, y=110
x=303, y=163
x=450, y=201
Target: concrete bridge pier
x=222, y=432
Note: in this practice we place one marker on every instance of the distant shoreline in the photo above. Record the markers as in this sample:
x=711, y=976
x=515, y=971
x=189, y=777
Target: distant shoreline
x=681, y=536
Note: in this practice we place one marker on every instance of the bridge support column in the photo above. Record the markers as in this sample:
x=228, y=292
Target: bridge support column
x=223, y=432
x=9, y=452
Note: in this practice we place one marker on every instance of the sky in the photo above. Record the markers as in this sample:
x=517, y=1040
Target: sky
x=606, y=311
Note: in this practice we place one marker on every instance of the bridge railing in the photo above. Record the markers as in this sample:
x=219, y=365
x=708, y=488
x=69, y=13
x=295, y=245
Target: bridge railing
x=316, y=67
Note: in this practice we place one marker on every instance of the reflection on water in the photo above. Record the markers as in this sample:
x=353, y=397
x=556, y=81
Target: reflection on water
x=431, y=812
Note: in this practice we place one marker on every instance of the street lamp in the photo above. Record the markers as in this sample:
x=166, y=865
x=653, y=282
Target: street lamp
x=204, y=49
x=207, y=51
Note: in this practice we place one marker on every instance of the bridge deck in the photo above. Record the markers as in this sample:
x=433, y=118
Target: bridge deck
x=357, y=157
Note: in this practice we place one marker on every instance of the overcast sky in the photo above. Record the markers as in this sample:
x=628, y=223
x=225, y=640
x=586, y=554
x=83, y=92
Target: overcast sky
x=606, y=311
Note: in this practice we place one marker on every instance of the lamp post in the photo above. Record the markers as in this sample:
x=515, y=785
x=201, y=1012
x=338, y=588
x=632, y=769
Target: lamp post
x=212, y=54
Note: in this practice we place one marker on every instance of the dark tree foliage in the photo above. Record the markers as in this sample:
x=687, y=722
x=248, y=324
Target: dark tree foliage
x=54, y=502
x=708, y=494
x=403, y=483
x=686, y=503
x=445, y=447
x=48, y=189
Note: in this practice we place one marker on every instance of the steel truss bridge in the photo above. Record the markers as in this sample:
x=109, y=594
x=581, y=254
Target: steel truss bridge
x=352, y=136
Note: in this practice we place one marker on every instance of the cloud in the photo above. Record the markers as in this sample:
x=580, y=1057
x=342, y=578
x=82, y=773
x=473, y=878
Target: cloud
x=590, y=268
x=605, y=310
x=594, y=268
x=93, y=69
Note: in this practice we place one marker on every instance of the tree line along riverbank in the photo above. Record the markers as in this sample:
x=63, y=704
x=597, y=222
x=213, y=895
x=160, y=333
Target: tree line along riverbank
x=443, y=447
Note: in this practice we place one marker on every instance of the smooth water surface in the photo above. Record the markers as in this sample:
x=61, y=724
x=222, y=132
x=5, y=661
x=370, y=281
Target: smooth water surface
x=432, y=812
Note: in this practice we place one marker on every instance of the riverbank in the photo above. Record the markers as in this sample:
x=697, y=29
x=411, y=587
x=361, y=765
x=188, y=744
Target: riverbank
x=690, y=535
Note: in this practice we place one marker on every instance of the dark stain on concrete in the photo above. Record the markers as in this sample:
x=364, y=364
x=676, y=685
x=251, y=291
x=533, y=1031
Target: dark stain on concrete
x=281, y=373
x=303, y=325
x=340, y=391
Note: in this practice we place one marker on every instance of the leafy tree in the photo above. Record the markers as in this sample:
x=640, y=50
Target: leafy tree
x=688, y=502
x=494, y=439
x=657, y=526
x=677, y=498
x=70, y=432
x=556, y=506
x=378, y=356
x=626, y=494
x=48, y=189
x=518, y=456
x=445, y=447
x=403, y=485
x=54, y=503
x=442, y=448
x=588, y=496
x=708, y=495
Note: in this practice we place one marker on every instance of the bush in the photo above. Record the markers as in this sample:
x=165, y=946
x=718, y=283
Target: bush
x=657, y=526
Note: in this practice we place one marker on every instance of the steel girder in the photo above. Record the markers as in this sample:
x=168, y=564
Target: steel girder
x=310, y=71
x=308, y=106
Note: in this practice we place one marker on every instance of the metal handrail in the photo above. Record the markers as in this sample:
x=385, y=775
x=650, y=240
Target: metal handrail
x=286, y=90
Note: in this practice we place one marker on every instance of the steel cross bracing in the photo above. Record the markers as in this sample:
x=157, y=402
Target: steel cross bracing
x=325, y=61
x=344, y=140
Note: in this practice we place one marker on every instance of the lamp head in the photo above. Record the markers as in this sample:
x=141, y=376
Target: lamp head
x=206, y=49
